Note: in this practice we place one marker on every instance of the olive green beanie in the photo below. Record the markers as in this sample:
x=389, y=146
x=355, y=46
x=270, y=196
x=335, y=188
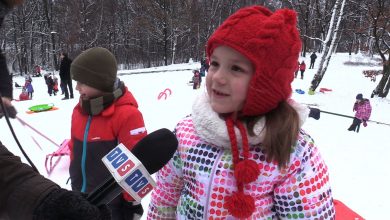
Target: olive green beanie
x=95, y=67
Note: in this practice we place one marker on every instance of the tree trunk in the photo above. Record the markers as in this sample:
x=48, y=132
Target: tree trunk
x=328, y=46
x=51, y=32
x=165, y=31
x=174, y=43
x=382, y=89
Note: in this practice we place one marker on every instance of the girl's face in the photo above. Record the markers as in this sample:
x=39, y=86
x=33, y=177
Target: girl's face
x=228, y=79
x=87, y=92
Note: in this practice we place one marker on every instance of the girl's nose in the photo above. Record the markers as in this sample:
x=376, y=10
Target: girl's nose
x=219, y=76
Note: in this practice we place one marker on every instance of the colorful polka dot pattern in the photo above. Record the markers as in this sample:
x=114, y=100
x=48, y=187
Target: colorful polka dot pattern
x=194, y=184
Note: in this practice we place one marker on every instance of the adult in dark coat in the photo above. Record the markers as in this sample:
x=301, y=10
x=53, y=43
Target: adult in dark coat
x=24, y=193
x=5, y=76
x=27, y=195
x=313, y=58
x=66, y=80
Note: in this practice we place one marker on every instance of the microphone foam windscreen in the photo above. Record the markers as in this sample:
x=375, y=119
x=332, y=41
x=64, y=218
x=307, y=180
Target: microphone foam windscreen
x=156, y=149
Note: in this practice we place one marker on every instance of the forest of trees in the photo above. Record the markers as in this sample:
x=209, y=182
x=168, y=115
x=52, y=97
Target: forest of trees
x=146, y=33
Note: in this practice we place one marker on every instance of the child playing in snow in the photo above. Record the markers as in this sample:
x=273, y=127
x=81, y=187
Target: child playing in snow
x=37, y=71
x=362, y=107
x=196, y=79
x=50, y=83
x=29, y=89
x=107, y=114
x=28, y=78
x=55, y=84
x=242, y=153
x=302, y=68
x=24, y=94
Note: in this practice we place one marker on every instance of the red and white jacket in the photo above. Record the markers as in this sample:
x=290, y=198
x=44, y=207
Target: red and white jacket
x=194, y=184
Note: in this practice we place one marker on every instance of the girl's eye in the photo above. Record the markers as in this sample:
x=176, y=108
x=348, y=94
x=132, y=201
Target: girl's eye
x=237, y=68
x=214, y=63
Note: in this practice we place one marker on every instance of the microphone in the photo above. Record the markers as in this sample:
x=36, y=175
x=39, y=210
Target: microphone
x=131, y=170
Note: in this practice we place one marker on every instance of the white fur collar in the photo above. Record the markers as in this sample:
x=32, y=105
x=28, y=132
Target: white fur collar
x=211, y=128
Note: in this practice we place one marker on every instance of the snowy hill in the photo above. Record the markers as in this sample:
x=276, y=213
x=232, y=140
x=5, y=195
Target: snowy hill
x=358, y=162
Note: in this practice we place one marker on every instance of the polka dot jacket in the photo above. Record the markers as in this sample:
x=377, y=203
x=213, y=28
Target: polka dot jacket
x=194, y=184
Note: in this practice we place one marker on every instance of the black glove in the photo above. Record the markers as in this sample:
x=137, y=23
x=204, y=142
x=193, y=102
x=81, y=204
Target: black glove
x=131, y=210
x=12, y=3
x=11, y=111
x=314, y=113
x=61, y=204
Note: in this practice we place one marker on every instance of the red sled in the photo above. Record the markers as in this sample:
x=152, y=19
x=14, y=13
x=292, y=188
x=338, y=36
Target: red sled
x=323, y=90
x=63, y=150
x=23, y=96
x=343, y=212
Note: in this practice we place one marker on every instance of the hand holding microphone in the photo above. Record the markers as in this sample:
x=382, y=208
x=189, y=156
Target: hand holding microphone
x=131, y=170
x=70, y=205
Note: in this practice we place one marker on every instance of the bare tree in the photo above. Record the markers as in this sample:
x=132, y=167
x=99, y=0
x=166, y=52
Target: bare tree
x=379, y=13
x=146, y=33
x=47, y=6
x=328, y=44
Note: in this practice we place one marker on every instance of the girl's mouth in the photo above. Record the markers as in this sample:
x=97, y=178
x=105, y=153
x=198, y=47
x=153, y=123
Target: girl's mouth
x=220, y=93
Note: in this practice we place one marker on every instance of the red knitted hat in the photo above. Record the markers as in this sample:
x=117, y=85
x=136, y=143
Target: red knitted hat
x=271, y=42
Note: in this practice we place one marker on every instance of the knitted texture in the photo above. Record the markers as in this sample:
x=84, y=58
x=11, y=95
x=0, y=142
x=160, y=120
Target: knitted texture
x=12, y=3
x=64, y=204
x=95, y=67
x=239, y=204
x=271, y=42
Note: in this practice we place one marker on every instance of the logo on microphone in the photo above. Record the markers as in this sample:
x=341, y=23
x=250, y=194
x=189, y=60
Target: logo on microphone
x=129, y=172
x=125, y=168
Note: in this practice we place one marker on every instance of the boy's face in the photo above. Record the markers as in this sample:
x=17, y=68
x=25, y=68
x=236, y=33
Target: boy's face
x=86, y=92
x=228, y=80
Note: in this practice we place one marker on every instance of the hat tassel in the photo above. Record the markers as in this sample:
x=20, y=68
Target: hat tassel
x=239, y=204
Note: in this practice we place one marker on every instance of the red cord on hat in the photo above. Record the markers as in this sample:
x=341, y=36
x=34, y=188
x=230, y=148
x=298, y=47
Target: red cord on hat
x=239, y=204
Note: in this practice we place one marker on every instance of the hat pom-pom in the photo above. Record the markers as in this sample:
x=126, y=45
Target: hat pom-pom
x=246, y=171
x=240, y=205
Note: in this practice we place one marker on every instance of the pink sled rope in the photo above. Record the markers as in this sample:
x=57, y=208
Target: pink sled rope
x=63, y=149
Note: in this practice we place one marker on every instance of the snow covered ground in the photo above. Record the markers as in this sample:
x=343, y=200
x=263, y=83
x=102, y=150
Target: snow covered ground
x=358, y=162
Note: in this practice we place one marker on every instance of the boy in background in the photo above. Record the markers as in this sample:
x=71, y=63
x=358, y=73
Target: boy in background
x=107, y=114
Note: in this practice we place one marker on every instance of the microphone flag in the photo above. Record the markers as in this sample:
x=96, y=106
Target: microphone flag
x=129, y=172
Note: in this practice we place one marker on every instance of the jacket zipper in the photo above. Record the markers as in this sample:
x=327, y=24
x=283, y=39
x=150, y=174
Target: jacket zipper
x=84, y=155
x=211, y=183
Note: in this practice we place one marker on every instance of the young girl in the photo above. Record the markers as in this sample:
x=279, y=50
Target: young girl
x=362, y=107
x=242, y=153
